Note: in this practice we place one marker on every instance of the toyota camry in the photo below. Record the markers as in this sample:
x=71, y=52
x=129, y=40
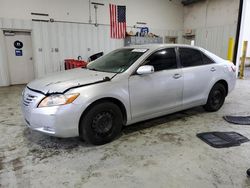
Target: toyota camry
x=126, y=86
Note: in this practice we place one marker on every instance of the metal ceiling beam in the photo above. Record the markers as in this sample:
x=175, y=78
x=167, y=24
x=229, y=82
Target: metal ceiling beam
x=189, y=2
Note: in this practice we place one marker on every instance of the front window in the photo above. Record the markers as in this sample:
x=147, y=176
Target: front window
x=163, y=59
x=117, y=61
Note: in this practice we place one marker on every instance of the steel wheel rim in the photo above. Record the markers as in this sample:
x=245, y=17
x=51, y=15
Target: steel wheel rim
x=102, y=123
x=217, y=98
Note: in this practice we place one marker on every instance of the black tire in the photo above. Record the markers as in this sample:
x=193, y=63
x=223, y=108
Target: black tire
x=101, y=124
x=216, y=98
x=248, y=172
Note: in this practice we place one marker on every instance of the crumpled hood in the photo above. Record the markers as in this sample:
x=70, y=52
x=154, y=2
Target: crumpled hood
x=59, y=82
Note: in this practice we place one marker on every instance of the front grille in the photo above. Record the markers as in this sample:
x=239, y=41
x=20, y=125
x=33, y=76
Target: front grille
x=28, y=99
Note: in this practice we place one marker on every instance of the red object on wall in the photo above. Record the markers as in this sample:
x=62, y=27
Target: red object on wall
x=72, y=63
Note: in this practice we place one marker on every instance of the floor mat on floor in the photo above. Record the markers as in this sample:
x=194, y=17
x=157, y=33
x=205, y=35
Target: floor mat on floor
x=222, y=139
x=241, y=120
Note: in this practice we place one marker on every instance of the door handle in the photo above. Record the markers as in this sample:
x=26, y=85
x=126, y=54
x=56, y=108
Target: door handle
x=176, y=76
x=213, y=69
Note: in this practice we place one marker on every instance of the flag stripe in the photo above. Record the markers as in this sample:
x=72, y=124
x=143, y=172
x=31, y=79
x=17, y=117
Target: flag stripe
x=110, y=19
x=115, y=23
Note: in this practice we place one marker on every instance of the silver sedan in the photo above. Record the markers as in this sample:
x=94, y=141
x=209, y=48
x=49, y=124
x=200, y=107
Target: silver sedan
x=126, y=86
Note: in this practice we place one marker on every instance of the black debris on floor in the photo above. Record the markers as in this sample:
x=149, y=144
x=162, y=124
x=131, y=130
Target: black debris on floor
x=222, y=139
x=240, y=120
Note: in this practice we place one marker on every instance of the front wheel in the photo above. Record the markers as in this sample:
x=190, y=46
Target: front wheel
x=101, y=124
x=216, y=98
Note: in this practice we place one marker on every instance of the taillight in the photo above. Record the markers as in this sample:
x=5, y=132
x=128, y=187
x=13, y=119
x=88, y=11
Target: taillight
x=231, y=67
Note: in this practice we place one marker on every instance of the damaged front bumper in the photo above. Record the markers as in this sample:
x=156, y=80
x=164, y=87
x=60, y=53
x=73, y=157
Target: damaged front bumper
x=59, y=121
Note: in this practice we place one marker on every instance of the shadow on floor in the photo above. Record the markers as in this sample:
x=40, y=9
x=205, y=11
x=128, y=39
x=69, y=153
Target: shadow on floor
x=66, y=144
x=182, y=115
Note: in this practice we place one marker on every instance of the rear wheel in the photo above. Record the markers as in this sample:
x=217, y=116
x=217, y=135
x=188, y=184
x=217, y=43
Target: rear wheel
x=216, y=98
x=101, y=124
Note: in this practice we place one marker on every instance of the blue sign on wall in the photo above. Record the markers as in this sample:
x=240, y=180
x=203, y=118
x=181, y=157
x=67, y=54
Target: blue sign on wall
x=19, y=52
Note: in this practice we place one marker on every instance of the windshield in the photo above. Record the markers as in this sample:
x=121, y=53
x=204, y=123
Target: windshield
x=117, y=61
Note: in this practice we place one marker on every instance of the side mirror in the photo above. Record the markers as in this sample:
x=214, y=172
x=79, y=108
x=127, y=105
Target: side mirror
x=145, y=69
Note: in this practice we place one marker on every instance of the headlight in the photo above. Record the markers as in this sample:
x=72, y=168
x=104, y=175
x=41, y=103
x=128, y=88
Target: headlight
x=58, y=99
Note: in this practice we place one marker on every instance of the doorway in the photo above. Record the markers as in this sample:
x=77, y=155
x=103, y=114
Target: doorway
x=20, y=58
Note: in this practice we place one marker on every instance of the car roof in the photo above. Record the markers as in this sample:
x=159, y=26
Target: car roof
x=157, y=46
x=154, y=47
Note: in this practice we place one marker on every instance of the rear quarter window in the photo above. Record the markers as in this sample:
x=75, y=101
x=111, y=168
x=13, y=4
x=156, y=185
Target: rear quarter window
x=207, y=60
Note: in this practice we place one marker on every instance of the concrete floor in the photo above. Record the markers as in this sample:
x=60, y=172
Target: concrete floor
x=163, y=152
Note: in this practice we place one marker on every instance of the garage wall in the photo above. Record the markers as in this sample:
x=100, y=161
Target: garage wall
x=213, y=22
x=74, y=39
x=211, y=13
x=71, y=39
x=215, y=39
x=158, y=14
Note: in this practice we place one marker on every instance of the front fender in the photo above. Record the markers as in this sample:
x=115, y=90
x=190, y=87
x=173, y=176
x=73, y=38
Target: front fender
x=112, y=89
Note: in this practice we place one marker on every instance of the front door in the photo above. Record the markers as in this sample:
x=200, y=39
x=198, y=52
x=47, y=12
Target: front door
x=20, y=58
x=156, y=93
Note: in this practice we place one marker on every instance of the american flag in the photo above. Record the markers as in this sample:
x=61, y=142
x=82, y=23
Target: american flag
x=117, y=21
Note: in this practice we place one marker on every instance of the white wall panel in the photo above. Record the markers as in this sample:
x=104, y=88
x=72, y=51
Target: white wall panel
x=211, y=13
x=106, y=35
x=82, y=40
x=215, y=39
x=37, y=46
x=46, y=48
x=94, y=40
x=4, y=71
x=75, y=40
x=53, y=30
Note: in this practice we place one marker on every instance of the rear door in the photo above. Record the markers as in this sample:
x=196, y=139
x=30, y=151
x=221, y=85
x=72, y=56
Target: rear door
x=160, y=91
x=198, y=72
